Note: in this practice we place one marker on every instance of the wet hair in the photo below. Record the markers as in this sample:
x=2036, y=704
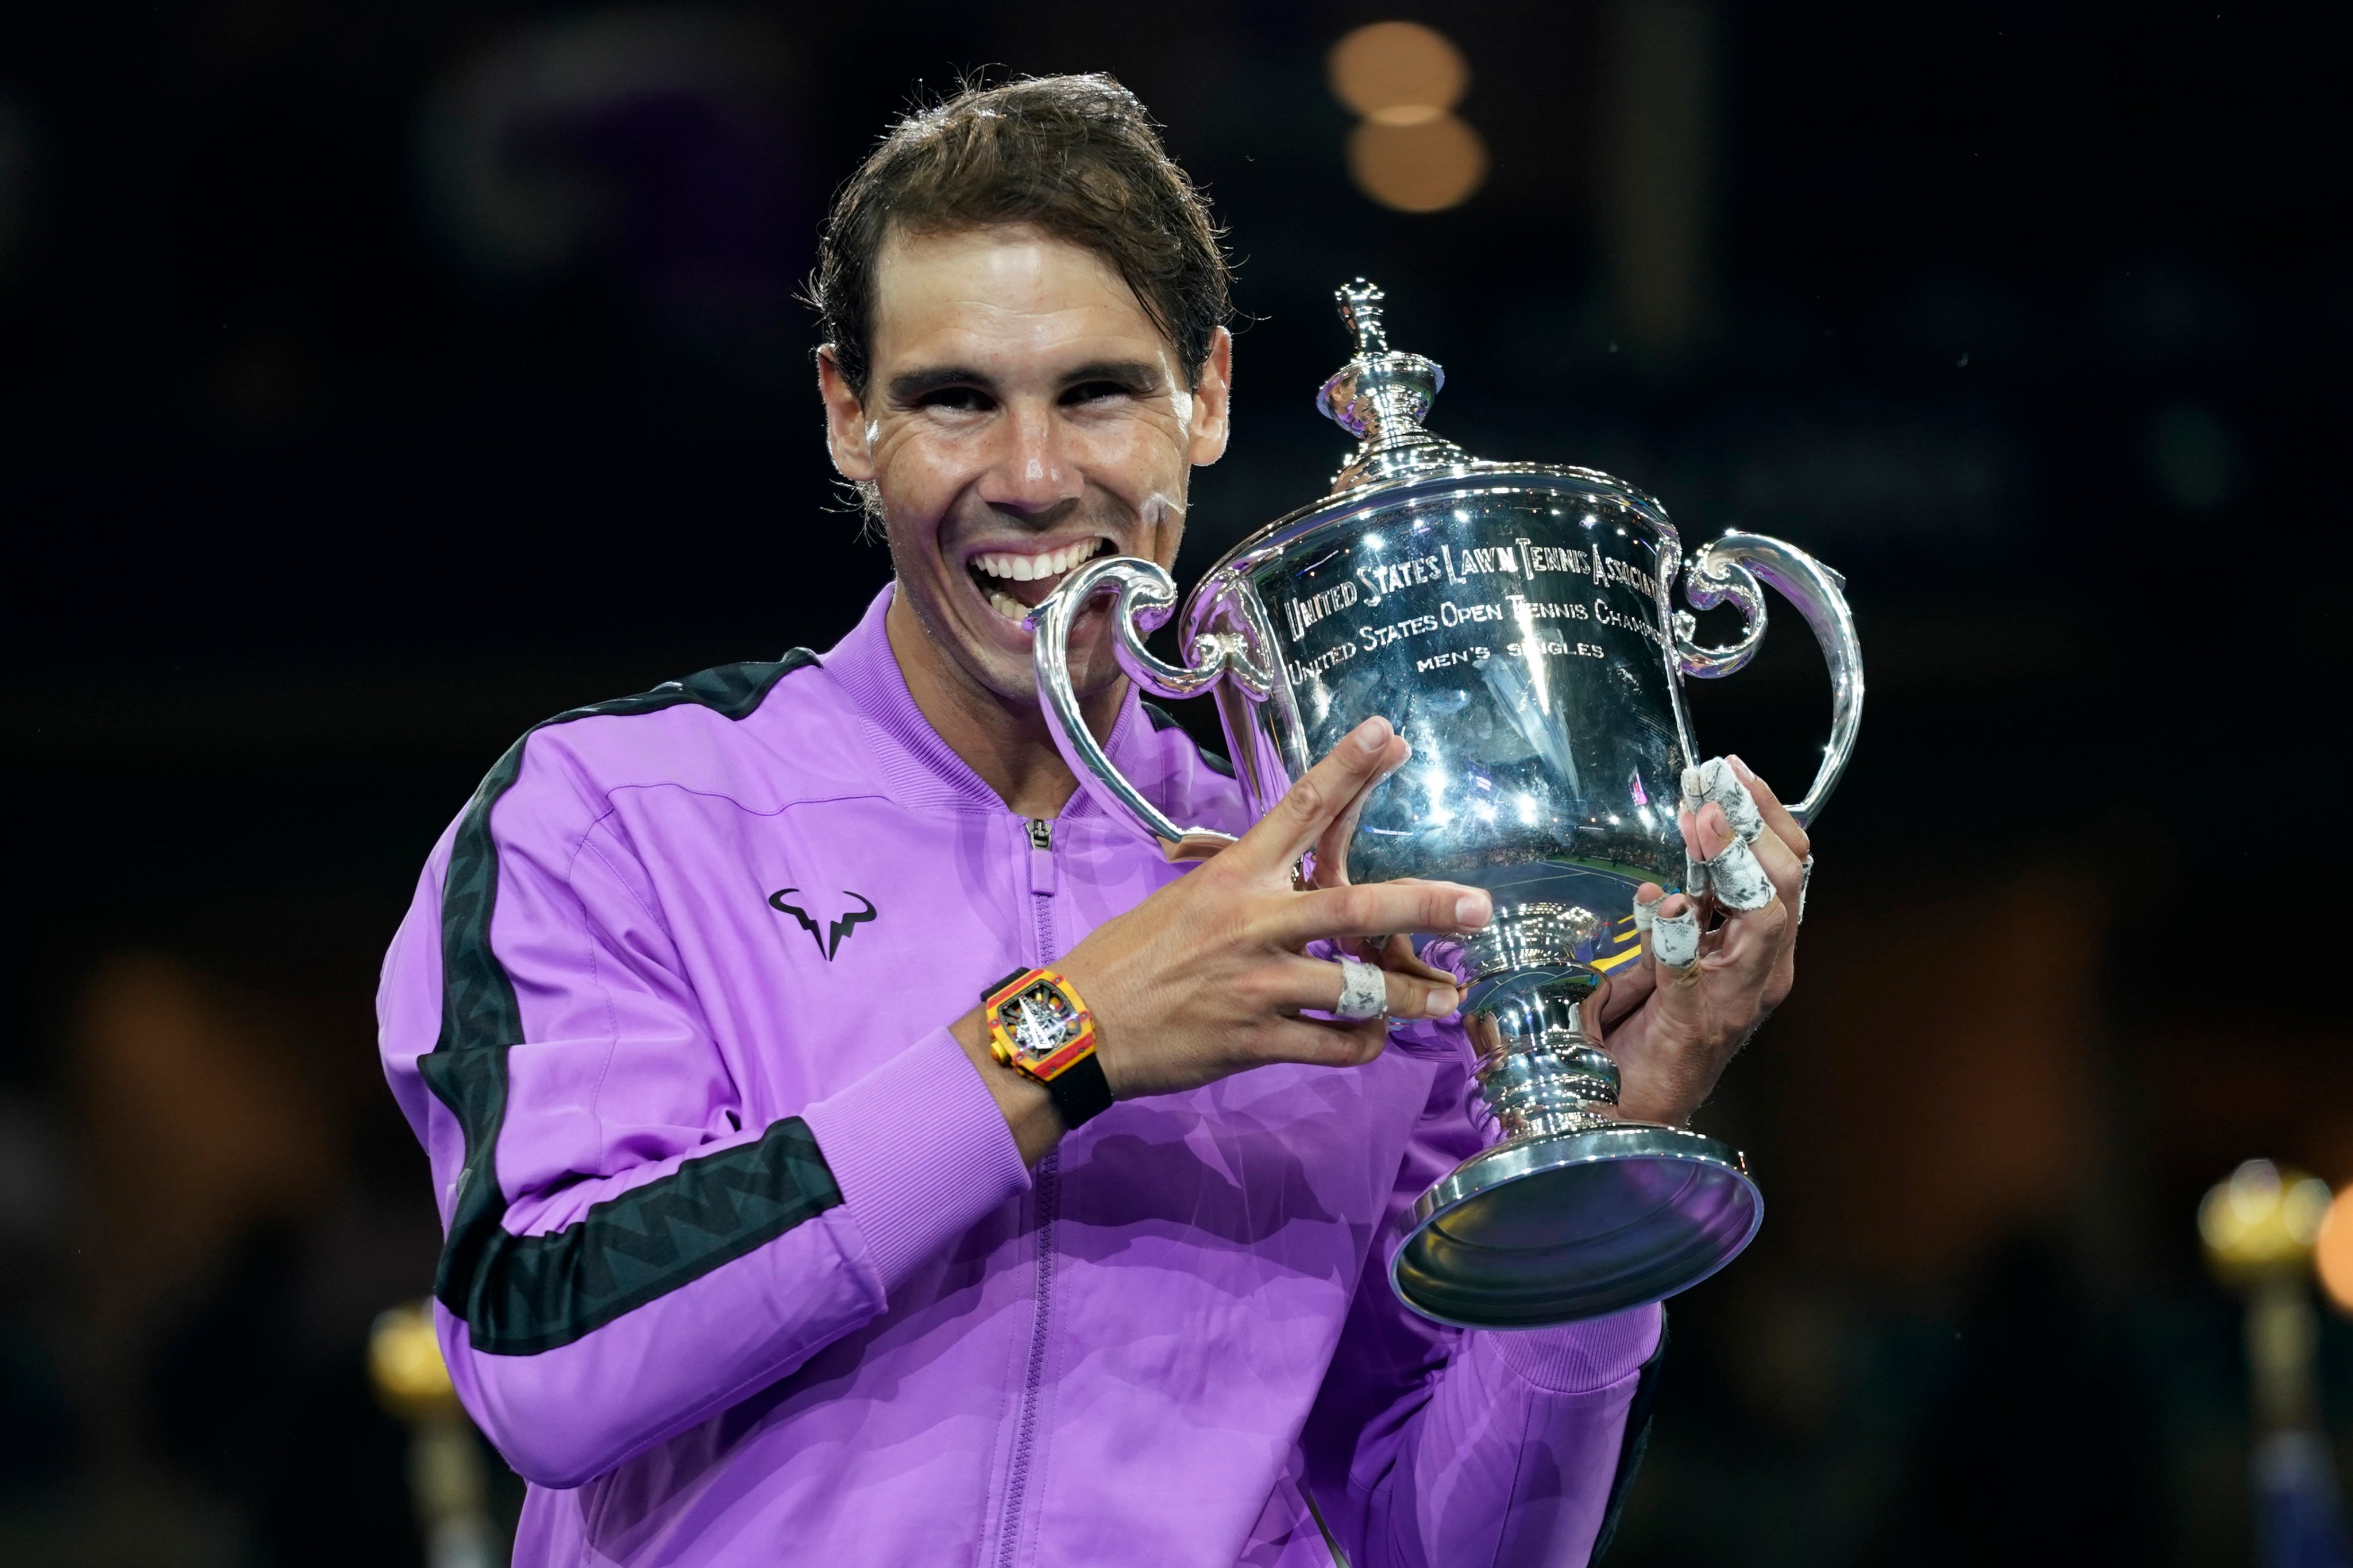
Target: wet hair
x=1074, y=157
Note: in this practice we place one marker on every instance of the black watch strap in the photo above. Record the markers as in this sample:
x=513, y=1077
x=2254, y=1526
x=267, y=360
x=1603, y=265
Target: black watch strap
x=1080, y=1093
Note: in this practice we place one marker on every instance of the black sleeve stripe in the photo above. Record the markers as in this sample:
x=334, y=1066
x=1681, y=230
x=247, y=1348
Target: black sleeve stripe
x=519, y=1295
x=1631, y=1449
x=1163, y=720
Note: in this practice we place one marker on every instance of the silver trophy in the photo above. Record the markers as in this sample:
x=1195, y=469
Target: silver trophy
x=1514, y=622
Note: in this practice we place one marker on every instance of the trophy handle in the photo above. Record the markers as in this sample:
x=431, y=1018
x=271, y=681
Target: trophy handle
x=1143, y=598
x=1725, y=571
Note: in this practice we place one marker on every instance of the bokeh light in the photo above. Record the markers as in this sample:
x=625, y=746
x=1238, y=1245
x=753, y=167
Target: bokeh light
x=2332, y=1252
x=1398, y=73
x=1423, y=168
x=1410, y=151
x=2262, y=1220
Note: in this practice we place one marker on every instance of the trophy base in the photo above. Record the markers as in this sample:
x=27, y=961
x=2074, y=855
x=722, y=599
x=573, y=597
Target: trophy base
x=1567, y=1225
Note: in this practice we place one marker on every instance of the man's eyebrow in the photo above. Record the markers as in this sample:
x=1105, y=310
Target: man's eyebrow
x=911, y=386
x=1127, y=371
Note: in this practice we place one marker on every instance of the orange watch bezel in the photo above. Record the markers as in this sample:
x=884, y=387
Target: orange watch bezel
x=1064, y=1057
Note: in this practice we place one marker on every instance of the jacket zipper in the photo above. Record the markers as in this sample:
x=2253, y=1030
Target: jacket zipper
x=1048, y=1191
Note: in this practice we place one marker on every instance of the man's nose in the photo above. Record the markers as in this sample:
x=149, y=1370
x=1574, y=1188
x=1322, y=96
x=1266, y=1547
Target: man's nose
x=1030, y=472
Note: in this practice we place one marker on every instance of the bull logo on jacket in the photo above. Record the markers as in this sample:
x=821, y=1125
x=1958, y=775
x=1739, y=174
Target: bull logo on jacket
x=830, y=938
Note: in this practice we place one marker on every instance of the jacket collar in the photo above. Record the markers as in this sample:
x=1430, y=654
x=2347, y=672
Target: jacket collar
x=917, y=767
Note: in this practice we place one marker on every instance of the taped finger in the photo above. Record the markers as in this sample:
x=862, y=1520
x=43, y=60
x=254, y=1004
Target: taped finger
x=1738, y=880
x=1674, y=939
x=1714, y=780
x=1645, y=913
x=1805, y=880
x=1364, y=992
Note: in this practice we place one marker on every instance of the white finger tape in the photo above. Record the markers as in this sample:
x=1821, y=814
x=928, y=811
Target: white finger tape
x=1739, y=882
x=1805, y=880
x=1714, y=780
x=1674, y=939
x=1363, y=993
x=1645, y=912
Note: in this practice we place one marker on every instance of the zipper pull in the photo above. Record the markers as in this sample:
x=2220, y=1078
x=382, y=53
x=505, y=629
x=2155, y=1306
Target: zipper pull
x=1041, y=834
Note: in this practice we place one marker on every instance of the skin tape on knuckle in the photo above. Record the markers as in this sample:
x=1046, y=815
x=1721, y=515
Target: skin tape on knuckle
x=1738, y=881
x=1644, y=914
x=1364, y=992
x=1714, y=779
x=1805, y=881
x=1694, y=877
x=1674, y=939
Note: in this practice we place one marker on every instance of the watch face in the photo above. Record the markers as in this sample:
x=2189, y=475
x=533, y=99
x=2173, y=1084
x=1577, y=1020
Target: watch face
x=1039, y=1019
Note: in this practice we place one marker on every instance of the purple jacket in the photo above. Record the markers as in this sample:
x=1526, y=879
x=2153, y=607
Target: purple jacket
x=742, y=1265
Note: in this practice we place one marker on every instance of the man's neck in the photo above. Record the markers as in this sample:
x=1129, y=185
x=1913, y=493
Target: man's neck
x=1006, y=744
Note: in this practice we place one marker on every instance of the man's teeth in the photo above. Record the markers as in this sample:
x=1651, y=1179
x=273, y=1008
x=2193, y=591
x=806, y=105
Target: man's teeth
x=1030, y=568
x=1012, y=609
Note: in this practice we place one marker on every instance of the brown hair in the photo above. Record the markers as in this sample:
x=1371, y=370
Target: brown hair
x=1074, y=156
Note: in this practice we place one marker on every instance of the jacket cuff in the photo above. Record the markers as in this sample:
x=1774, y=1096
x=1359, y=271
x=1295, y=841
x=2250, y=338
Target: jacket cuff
x=1582, y=1358
x=919, y=1151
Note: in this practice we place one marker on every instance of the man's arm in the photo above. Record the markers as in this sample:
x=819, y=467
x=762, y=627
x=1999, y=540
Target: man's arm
x=625, y=1257
x=1436, y=1446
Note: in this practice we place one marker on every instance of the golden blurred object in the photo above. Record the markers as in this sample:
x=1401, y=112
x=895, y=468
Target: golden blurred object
x=448, y=1485
x=2332, y=1252
x=1420, y=168
x=2259, y=1226
x=2261, y=1222
x=405, y=1364
x=1398, y=73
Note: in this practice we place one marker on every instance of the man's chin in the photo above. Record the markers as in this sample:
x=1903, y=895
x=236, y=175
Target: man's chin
x=1010, y=668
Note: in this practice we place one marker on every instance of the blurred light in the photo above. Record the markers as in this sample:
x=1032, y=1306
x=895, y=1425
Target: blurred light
x=2332, y=1252
x=405, y=1365
x=2262, y=1221
x=1410, y=151
x=1422, y=168
x=1398, y=73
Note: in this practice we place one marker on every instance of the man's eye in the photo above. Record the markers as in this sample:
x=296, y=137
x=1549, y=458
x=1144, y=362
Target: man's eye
x=1097, y=392
x=963, y=399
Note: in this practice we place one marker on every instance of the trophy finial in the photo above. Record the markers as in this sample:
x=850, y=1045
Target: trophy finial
x=1380, y=397
x=1360, y=307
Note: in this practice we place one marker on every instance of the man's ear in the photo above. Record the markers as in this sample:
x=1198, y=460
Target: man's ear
x=846, y=436
x=1212, y=400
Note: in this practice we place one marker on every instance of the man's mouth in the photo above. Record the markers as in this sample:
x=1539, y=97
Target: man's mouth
x=1016, y=581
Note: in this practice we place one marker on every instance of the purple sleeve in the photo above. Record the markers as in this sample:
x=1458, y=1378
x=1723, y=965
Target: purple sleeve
x=623, y=1262
x=1437, y=1445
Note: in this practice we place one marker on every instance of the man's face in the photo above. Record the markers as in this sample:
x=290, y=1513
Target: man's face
x=1023, y=415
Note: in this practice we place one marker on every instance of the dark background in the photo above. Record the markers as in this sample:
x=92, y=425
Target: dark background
x=378, y=378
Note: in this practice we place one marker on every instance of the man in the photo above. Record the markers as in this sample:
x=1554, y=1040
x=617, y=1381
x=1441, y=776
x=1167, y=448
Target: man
x=760, y=1248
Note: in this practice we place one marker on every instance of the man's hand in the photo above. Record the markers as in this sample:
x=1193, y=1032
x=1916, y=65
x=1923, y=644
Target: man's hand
x=1206, y=977
x=1673, y=1027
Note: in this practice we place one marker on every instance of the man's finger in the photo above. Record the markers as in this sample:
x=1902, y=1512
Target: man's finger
x=1320, y=1045
x=1315, y=801
x=1716, y=781
x=1330, y=988
x=1332, y=844
x=1396, y=954
x=1674, y=936
x=1777, y=817
x=1738, y=878
x=1378, y=908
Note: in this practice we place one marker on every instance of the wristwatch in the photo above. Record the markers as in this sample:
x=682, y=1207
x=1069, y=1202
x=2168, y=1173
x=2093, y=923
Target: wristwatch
x=1039, y=1029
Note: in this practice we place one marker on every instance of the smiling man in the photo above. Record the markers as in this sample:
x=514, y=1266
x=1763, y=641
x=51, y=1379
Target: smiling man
x=856, y=1148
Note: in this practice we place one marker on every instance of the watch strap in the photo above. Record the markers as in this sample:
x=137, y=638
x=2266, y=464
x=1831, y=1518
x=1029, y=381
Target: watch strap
x=1081, y=1091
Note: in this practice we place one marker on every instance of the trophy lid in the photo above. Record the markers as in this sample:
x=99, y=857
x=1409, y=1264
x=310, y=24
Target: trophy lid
x=1380, y=397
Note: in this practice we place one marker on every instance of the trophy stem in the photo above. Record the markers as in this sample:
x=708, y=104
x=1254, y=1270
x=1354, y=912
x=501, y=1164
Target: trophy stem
x=1539, y=1073
x=1574, y=1213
